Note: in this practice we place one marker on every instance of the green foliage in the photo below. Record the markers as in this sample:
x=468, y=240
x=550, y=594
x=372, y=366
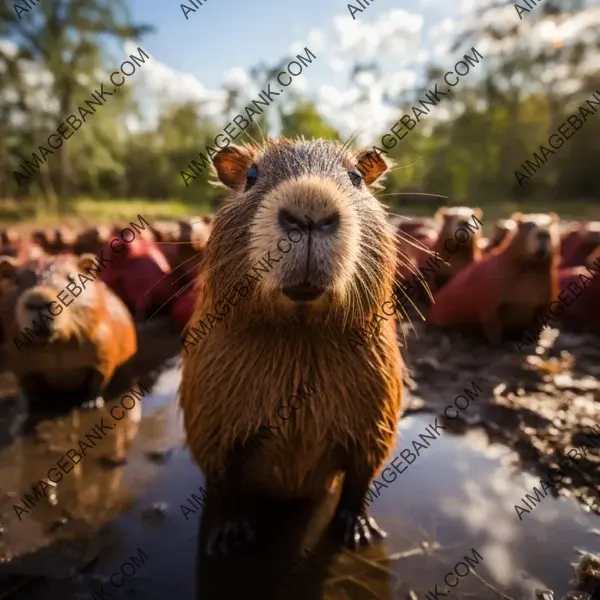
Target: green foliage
x=498, y=116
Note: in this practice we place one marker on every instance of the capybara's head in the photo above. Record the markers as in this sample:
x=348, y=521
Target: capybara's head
x=536, y=237
x=36, y=285
x=300, y=213
x=457, y=217
x=9, y=237
x=502, y=227
x=195, y=231
x=92, y=239
x=41, y=238
x=591, y=234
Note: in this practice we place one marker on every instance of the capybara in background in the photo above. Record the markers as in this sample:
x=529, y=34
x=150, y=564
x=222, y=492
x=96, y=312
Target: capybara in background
x=502, y=227
x=578, y=243
x=61, y=240
x=11, y=242
x=318, y=293
x=63, y=353
x=138, y=274
x=580, y=296
x=464, y=252
x=414, y=247
x=92, y=239
x=504, y=293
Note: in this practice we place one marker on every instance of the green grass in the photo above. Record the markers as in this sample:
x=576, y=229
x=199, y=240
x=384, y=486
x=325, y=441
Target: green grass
x=84, y=211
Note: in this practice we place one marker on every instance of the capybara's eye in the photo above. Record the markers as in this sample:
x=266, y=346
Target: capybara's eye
x=251, y=177
x=356, y=178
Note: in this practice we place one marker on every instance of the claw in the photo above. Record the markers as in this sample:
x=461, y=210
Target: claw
x=224, y=539
x=357, y=530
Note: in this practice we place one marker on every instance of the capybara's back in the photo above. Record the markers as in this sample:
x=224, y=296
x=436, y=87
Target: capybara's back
x=67, y=332
x=300, y=258
x=505, y=292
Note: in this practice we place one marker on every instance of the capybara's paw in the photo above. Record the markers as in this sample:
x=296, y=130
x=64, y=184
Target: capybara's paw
x=224, y=539
x=357, y=530
x=96, y=403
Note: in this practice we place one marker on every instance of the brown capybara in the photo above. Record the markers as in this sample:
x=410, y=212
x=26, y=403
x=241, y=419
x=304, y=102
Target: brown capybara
x=580, y=296
x=11, y=242
x=61, y=240
x=41, y=237
x=414, y=247
x=577, y=244
x=504, y=293
x=139, y=274
x=464, y=250
x=92, y=239
x=294, y=325
x=502, y=227
x=63, y=348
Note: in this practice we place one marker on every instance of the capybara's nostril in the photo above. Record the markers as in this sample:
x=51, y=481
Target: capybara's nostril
x=37, y=304
x=330, y=225
x=304, y=292
x=289, y=221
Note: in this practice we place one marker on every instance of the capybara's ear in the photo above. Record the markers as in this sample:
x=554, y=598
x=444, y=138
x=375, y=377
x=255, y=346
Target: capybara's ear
x=87, y=261
x=8, y=266
x=554, y=217
x=478, y=212
x=593, y=258
x=516, y=217
x=440, y=213
x=232, y=164
x=371, y=165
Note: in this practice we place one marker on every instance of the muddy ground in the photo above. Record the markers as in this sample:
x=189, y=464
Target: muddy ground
x=542, y=403
x=533, y=409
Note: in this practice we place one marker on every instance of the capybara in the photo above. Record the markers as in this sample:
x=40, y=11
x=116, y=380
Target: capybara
x=414, y=247
x=10, y=242
x=295, y=324
x=62, y=240
x=502, y=227
x=464, y=250
x=92, y=239
x=577, y=244
x=580, y=296
x=63, y=352
x=504, y=293
x=139, y=274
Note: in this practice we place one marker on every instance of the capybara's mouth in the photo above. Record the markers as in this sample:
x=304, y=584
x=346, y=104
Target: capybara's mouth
x=305, y=292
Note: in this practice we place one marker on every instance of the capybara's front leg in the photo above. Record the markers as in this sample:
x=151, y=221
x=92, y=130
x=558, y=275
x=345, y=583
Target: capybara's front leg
x=231, y=529
x=92, y=390
x=351, y=522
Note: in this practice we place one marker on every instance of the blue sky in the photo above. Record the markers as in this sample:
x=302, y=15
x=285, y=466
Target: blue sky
x=223, y=34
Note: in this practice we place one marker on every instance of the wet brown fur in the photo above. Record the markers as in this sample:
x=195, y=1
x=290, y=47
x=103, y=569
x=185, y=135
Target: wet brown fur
x=235, y=379
x=101, y=337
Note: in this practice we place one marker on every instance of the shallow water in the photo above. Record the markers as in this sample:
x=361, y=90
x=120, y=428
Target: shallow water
x=460, y=493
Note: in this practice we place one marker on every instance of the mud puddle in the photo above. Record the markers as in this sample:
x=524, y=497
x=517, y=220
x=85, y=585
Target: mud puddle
x=110, y=516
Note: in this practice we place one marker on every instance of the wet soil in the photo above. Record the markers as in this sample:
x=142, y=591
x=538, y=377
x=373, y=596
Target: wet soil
x=459, y=495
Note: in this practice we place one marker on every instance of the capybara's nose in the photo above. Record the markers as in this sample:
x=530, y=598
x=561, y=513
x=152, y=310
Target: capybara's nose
x=304, y=292
x=327, y=226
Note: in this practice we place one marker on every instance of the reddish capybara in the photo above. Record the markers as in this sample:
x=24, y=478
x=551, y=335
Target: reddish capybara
x=502, y=227
x=467, y=250
x=139, y=274
x=183, y=307
x=414, y=247
x=11, y=242
x=92, y=239
x=580, y=296
x=577, y=244
x=63, y=352
x=61, y=240
x=504, y=293
x=315, y=297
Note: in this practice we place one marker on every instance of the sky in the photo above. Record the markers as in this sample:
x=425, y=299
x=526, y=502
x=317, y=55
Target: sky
x=194, y=58
x=223, y=39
